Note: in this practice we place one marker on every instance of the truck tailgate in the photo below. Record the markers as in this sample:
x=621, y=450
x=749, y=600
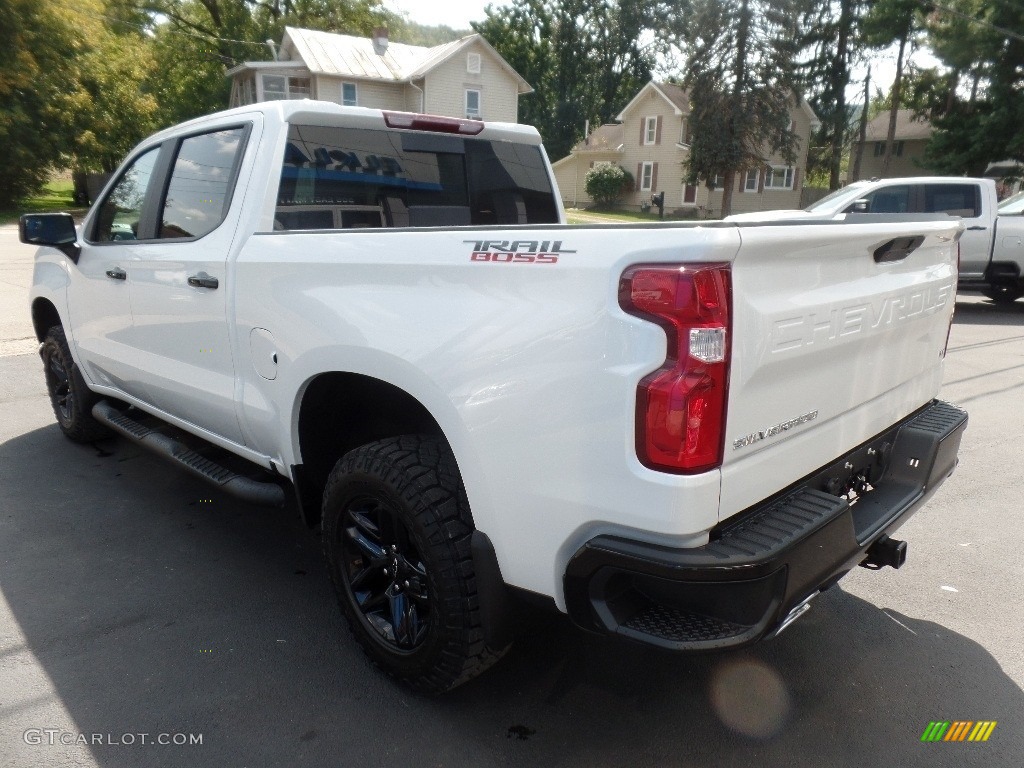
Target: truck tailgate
x=838, y=332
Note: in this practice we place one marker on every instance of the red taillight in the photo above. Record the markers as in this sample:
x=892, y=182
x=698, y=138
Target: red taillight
x=417, y=122
x=680, y=408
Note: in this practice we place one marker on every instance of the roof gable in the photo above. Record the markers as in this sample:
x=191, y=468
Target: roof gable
x=604, y=138
x=908, y=127
x=328, y=53
x=673, y=95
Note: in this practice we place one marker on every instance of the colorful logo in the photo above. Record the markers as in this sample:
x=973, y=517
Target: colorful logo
x=958, y=730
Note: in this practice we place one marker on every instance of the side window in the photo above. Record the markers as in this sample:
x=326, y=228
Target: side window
x=200, y=188
x=120, y=212
x=888, y=200
x=962, y=200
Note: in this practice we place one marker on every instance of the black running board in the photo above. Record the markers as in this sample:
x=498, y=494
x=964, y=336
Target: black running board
x=252, y=491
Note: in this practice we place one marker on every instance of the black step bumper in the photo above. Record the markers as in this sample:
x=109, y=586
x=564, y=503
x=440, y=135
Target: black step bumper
x=762, y=565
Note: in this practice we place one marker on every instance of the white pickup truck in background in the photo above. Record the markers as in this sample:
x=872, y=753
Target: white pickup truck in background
x=675, y=433
x=992, y=246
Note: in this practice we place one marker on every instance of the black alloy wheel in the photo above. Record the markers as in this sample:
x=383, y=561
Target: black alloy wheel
x=71, y=399
x=386, y=576
x=60, y=387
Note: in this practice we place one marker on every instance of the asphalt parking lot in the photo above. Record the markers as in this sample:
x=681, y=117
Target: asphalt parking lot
x=135, y=600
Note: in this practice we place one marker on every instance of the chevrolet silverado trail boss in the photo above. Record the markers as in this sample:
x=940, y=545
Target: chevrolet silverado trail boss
x=678, y=434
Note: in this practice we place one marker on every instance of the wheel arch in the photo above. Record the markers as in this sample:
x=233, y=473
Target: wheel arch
x=44, y=316
x=339, y=411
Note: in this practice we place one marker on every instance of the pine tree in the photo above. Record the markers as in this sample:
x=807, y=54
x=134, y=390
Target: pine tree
x=832, y=43
x=740, y=75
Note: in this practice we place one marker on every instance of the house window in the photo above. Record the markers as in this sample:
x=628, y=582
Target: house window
x=779, y=177
x=718, y=182
x=281, y=87
x=897, y=148
x=247, y=91
x=646, y=177
x=349, y=95
x=472, y=103
x=750, y=180
x=650, y=130
x=473, y=63
x=684, y=135
x=299, y=88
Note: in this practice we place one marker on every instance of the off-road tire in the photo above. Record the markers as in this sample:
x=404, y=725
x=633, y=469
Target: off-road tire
x=398, y=507
x=71, y=399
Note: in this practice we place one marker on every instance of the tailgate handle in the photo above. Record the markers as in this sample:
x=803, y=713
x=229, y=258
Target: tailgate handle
x=203, y=280
x=897, y=249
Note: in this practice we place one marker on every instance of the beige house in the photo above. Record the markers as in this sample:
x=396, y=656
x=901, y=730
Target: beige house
x=911, y=136
x=651, y=141
x=464, y=78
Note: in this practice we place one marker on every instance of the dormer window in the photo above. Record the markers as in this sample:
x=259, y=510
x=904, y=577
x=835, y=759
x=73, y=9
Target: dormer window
x=473, y=63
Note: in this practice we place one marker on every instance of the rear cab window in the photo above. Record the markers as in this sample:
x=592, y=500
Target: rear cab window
x=357, y=178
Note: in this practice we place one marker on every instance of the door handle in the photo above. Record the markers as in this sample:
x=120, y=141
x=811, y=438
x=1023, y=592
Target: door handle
x=203, y=280
x=976, y=229
x=117, y=274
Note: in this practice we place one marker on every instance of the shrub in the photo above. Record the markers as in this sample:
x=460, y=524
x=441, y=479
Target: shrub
x=607, y=183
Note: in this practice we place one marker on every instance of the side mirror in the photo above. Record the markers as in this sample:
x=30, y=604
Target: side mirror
x=56, y=230
x=859, y=206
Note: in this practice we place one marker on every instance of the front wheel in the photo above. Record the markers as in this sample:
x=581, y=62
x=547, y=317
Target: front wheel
x=71, y=399
x=396, y=535
x=1004, y=294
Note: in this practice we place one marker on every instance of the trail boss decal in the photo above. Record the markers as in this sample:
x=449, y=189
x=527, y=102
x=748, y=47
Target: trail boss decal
x=517, y=251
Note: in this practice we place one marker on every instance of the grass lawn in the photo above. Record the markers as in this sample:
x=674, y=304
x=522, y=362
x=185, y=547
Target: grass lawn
x=55, y=197
x=580, y=216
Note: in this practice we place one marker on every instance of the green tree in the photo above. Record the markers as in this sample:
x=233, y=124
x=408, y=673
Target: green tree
x=41, y=42
x=521, y=32
x=113, y=112
x=583, y=58
x=979, y=121
x=832, y=44
x=888, y=23
x=197, y=41
x=607, y=183
x=740, y=74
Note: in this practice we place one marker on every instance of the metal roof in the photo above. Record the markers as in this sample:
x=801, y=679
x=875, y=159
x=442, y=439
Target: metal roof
x=327, y=53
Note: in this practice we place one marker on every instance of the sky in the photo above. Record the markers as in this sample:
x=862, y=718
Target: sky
x=452, y=13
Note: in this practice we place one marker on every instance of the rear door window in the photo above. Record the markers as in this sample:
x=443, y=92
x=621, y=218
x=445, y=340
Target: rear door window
x=345, y=178
x=199, y=191
x=962, y=200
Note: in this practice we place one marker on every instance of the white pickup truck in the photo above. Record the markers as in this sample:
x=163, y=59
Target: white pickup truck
x=674, y=433
x=992, y=245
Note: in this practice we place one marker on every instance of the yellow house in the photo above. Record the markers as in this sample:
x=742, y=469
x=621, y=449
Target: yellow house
x=464, y=78
x=651, y=140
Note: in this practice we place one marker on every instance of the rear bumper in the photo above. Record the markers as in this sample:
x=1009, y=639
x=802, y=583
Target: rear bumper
x=761, y=566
